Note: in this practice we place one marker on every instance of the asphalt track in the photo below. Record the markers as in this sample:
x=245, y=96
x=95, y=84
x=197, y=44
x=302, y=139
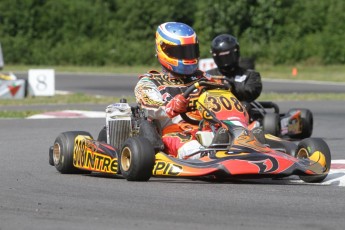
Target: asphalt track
x=35, y=196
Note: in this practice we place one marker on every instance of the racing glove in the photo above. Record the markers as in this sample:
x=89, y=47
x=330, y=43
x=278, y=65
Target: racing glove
x=176, y=106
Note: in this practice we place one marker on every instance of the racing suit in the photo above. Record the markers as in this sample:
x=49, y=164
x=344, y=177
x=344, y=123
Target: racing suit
x=246, y=84
x=153, y=92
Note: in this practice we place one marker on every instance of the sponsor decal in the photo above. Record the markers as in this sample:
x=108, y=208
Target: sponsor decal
x=13, y=89
x=239, y=78
x=229, y=154
x=85, y=156
x=166, y=169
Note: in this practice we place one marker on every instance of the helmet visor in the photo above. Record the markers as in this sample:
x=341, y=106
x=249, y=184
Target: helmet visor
x=190, y=51
x=225, y=59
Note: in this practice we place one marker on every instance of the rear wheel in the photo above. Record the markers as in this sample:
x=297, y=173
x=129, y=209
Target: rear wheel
x=271, y=124
x=316, y=150
x=307, y=124
x=102, y=136
x=137, y=159
x=63, y=152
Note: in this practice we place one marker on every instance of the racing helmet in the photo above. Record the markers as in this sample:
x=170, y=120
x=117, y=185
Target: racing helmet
x=177, y=47
x=225, y=51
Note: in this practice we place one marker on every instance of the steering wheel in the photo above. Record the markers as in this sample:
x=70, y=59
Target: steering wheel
x=190, y=89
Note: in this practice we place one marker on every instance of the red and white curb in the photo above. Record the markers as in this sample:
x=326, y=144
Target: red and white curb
x=68, y=114
x=335, y=177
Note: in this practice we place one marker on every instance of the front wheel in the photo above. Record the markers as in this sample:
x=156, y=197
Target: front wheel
x=62, y=154
x=318, y=151
x=137, y=159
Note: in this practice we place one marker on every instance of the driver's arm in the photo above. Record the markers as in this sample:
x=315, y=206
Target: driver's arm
x=150, y=99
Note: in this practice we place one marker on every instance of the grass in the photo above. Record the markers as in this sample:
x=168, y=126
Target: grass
x=302, y=97
x=74, y=98
x=335, y=73
x=19, y=114
x=77, y=98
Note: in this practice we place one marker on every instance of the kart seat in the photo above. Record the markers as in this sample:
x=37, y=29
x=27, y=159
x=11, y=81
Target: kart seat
x=221, y=138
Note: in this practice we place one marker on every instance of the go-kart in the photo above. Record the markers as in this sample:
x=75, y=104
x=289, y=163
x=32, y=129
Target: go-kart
x=131, y=146
x=297, y=123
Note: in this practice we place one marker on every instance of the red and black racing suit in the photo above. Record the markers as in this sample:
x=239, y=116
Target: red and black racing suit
x=153, y=91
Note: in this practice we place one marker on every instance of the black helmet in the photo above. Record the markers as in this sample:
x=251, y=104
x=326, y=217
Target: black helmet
x=225, y=51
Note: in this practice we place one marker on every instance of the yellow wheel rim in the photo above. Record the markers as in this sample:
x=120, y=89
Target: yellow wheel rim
x=126, y=157
x=302, y=154
x=56, y=153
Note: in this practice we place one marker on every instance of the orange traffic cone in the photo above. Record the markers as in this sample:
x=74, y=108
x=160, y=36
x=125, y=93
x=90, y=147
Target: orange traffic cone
x=294, y=71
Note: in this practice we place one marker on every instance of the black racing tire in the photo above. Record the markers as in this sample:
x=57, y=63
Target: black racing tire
x=51, y=161
x=137, y=159
x=102, y=136
x=271, y=124
x=307, y=124
x=63, y=152
x=309, y=146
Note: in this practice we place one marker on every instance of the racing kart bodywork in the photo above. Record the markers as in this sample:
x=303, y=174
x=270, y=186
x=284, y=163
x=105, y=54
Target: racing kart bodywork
x=297, y=123
x=131, y=145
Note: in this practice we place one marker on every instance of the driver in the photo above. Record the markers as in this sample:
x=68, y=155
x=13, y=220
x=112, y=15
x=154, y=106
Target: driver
x=159, y=94
x=246, y=84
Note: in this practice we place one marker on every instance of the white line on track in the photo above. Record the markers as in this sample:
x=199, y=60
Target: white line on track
x=69, y=114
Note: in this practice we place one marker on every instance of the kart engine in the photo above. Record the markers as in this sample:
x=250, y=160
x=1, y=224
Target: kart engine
x=118, y=123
